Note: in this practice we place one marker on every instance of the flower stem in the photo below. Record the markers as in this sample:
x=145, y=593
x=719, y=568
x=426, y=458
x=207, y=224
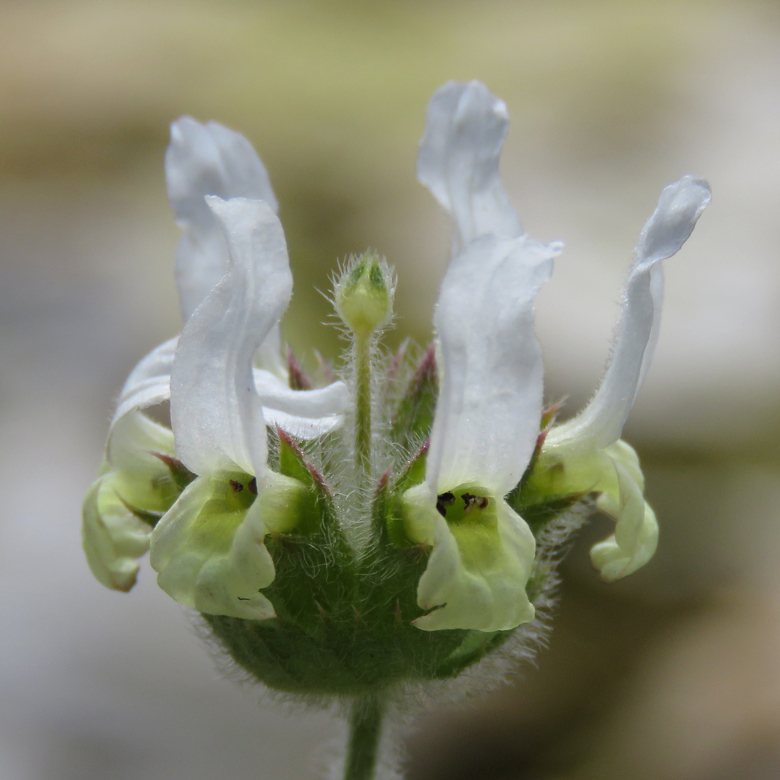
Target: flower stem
x=363, y=409
x=365, y=729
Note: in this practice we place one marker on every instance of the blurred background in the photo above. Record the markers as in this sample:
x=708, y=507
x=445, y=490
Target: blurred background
x=673, y=673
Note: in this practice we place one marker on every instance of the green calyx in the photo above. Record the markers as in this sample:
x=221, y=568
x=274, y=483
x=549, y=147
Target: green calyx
x=343, y=622
x=328, y=600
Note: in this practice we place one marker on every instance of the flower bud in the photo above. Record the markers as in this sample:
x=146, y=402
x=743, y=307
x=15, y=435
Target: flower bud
x=364, y=294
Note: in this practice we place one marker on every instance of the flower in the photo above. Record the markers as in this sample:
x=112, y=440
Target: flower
x=209, y=550
x=490, y=401
x=395, y=526
x=202, y=161
x=137, y=485
x=211, y=160
x=586, y=453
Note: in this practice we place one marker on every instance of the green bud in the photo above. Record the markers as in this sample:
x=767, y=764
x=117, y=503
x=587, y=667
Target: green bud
x=364, y=294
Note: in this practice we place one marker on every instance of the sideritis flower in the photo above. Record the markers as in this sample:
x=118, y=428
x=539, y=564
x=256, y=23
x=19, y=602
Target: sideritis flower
x=393, y=527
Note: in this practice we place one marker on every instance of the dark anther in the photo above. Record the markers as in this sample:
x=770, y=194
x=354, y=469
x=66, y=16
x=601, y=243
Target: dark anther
x=253, y=485
x=237, y=486
x=471, y=501
x=242, y=599
x=443, y=501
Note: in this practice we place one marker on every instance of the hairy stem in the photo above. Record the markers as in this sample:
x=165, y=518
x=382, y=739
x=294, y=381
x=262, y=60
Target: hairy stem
x=363, y=409
x=365, y=729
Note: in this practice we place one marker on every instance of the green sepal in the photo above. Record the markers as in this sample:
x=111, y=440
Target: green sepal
x=474, y=647
x=313, y=561
x=380, y=511
x=413, y=415
x=297, y=378
x=534, y=498
x=540, y=514
x=414, y=471
x=147, y=516
x=181, y=475
x=549, y=415
x=387, y=513
x=317, y=507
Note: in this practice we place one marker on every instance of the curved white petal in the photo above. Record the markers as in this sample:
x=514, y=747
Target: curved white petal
x=269, y=355
x=324, y=401
x=458, y=161
x=149, y=382
x=205, y=160
x=132, y=442
x=306, y=414
x=601, y=422
x=302, y=427
x=113, y=538
x=215, y=410
x=476, y=576
x=490, y=400
x=212, y=558
x=636, y=532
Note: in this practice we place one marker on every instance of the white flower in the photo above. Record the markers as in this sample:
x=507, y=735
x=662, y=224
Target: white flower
x=490, y=400
x=588, y=447
x=209, y=548
x=135, y=488
x=486, y=422
x=205, y=160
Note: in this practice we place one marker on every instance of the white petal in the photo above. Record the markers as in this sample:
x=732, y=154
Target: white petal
x=601, y=422
x=324, y=401
x=487, y=414
x=113, y=537
x=215, y=410
x=302, y=427
x=269, y=355
x=478, y=582
x=131, y=444
x=306, y=414
x=149, y=382
x=636, y=533
x=458, y=161
x=205, y=160
x=211, y=559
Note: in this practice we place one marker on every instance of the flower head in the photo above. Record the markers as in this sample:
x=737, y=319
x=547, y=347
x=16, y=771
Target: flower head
x=393, y=526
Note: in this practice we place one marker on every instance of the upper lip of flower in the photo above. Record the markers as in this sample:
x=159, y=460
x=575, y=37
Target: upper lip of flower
x=601, y=422
x=211, y=160
x=490, y=399
x=216, y=413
